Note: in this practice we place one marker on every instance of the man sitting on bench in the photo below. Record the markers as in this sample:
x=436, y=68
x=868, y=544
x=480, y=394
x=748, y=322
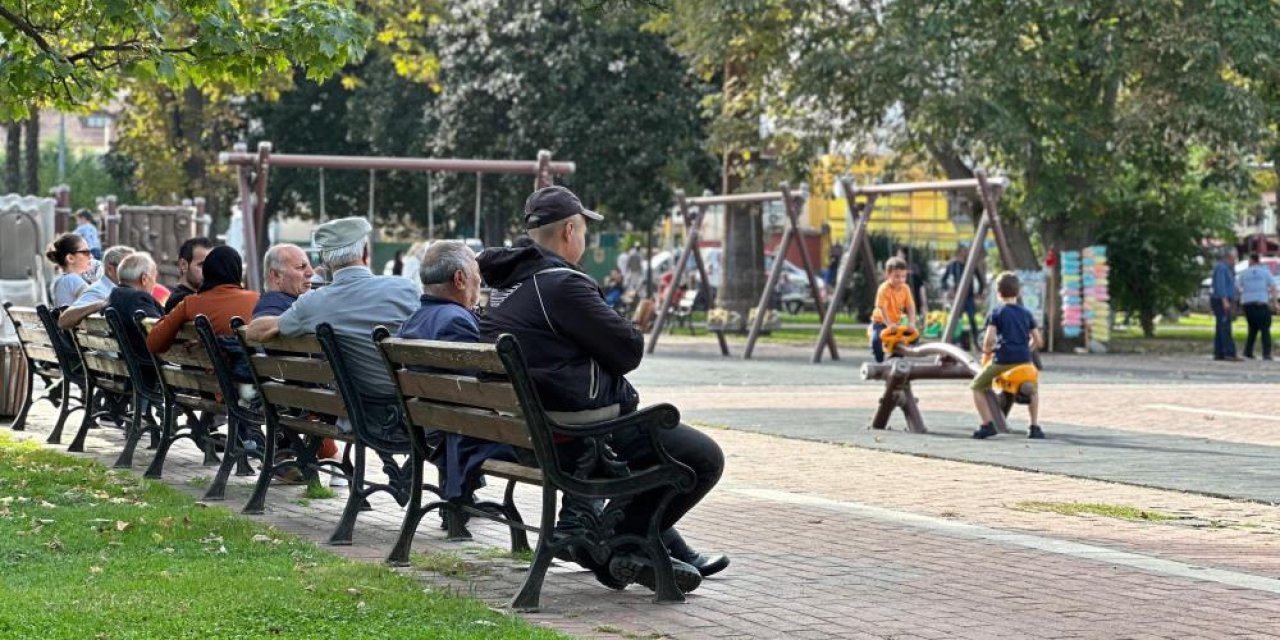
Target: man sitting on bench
x=451, y=285
x=354, y=303
x=578, y=351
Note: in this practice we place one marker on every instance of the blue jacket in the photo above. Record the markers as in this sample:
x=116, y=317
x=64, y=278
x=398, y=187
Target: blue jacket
x=458, y=457
x=1224, y=281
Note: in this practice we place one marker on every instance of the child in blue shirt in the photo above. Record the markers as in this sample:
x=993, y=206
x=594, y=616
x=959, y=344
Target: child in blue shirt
x=1011, y=336
x=89, y=231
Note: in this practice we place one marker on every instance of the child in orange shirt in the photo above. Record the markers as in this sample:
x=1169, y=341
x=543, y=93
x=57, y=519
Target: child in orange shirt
x=893, y=298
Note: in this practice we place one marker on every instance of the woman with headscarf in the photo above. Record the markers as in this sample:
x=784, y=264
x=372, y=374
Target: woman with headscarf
x=220, y=299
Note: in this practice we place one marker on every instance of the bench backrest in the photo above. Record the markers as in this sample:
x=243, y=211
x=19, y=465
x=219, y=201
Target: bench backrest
x=295, y=381
x=438, y=384
x=140, y=364
x=186, y=372
x=37, y=344
x=100, y=353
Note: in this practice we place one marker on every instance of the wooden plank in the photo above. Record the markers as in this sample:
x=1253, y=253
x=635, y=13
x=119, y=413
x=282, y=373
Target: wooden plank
x=196, y=356
x=297, y=344
x=99, y=363
x=37, y=336
x=512, y=471
x=478, y=423
x=292, y=368
x=25, y=315
x=96, y=324
x=199, y=403
x=113, y=385
x=190, y=380
x=455, y=389
x=96, y=342
x=41, y=353
x=454, y=356
x=308, y=399
x=316, y=428
x=186, y=333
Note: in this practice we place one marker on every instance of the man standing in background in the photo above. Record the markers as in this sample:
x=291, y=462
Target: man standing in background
x=1222, y=298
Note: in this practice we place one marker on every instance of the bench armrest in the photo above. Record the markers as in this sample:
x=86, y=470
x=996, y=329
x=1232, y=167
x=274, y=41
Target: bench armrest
x=650, y=420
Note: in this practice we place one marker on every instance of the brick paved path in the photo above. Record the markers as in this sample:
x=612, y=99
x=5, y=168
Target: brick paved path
x=832, y=541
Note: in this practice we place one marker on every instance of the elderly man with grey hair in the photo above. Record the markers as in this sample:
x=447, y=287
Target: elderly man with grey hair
x=354, y=303
x=451, y=288
x=286, y=274
x=93, y=299
x=137, y=277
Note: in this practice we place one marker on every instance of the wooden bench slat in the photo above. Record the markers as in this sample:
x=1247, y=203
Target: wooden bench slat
x=116, y=385
x=190, y=380
x=198, y=403
x=292, y=368
x=41, y=353
x=96, y=324
x=297, y=344
x=97, y=342
x=34, y=336
x=457, y=389
x=25, y=315
x=180, y=354
x=99, y=363
x=512, y=471
x=318, y=400
x=315, y=428
x=185, y=334
x=443, y=355
x=478, y=423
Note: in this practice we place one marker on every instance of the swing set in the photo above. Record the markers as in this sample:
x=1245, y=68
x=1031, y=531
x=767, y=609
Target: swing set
x=253, y=169
x=861, y=201
x=694, y=210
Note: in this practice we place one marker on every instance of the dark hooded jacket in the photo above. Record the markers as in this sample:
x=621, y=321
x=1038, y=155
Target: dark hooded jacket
x=577, y=349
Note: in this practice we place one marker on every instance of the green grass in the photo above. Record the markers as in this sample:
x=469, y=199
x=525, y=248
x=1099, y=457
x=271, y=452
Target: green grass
x=1118, y=511
x=318, y=492
x=86, y=552
x=496, y=553
x=445, y=563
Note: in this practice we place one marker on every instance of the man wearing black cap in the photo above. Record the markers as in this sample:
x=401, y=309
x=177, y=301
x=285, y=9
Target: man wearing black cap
x=578, y=351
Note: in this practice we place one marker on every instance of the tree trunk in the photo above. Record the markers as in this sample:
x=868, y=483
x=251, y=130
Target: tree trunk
x=13, y=158
x=33, y=154
x=1148, y=319
x=743, y=274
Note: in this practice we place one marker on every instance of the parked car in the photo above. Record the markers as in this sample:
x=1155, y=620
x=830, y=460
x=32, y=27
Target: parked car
x=793, y=287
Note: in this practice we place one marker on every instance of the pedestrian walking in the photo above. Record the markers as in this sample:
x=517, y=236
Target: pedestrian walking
x=1257, y=297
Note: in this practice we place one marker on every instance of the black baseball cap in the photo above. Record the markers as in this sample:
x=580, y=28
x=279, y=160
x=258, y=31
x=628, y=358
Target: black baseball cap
x=550, y=204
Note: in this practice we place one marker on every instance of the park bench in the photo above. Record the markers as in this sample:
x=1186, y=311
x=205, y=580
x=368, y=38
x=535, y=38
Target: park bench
x=189, y=388
x=107, y=384
x=40, y=348
x=144, y=382
x=244, y=424
x=484, y=391
x=296, y=379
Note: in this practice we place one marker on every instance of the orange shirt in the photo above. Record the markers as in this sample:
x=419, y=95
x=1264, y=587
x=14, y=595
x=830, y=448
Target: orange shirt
x=892, y=301
x=219, y=304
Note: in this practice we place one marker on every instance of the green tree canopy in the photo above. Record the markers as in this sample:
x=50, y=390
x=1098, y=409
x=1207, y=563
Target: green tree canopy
x=68, y=53
x=594, y=89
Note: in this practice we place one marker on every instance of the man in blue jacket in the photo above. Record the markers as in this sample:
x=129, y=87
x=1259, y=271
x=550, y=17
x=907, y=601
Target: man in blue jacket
x=578, y=351
x=1222, y=299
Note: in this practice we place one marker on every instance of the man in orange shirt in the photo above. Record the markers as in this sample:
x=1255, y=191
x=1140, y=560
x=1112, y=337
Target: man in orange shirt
x=893, y=298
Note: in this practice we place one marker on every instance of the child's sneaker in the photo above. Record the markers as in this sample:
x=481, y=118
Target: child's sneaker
x=985, y=431
x=248, y=396
x=1036, y=433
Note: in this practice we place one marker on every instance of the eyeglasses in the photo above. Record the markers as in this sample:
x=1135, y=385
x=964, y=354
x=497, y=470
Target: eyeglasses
x=86, y=252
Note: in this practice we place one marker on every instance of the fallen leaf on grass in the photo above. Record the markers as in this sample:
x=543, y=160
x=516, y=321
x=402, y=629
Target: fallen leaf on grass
x=95, y=570
x=123, y=526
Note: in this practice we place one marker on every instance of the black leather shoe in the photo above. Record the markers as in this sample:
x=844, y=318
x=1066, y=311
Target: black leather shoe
x=634, y=567
x=707, y=564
